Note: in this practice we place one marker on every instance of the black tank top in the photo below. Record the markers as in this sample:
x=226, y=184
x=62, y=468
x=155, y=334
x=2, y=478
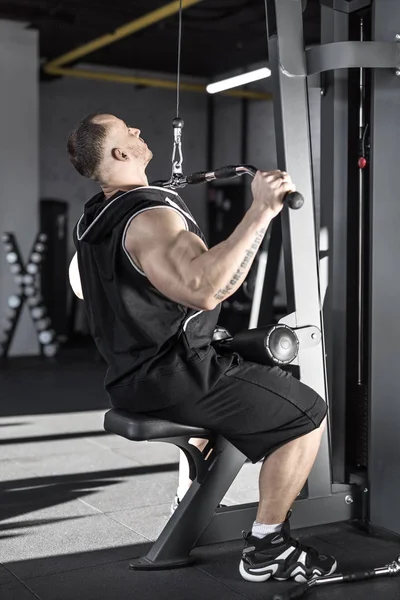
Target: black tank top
x=158, y=352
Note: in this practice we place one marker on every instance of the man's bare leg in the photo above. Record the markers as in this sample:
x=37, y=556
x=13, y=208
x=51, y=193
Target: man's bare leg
x=185, y=482
x=284, y=474
x=269, y=550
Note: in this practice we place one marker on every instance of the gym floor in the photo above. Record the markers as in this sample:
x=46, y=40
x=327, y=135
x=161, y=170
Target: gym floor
x=76, y=504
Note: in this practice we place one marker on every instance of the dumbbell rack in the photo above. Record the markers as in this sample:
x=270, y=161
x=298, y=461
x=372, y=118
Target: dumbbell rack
x=26, y=277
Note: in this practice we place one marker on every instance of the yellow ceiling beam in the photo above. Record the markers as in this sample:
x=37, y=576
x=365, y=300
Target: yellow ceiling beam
x=57, y=66
x=153, y=82
x=122, y=32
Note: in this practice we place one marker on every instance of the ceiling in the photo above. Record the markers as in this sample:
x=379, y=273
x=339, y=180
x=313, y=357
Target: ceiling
x=218, y=35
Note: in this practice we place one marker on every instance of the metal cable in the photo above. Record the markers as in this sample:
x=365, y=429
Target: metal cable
x=178, y=75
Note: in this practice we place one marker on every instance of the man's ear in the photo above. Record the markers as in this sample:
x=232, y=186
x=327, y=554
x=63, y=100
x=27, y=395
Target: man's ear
x=119, y=154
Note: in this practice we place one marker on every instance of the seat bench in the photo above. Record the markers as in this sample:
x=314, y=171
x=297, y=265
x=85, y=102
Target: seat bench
x=197, y=519
x=139, y=427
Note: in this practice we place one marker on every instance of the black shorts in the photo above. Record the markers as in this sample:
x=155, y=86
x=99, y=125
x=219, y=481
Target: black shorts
x=256, y=407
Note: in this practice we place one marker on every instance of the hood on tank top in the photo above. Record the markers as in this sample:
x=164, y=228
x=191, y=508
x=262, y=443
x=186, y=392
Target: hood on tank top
x=100, y=216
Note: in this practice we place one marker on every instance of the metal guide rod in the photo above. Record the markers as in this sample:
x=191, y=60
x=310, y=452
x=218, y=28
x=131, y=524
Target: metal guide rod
x=361, y=219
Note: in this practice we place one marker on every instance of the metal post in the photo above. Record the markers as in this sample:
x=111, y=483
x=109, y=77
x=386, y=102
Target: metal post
x=334, y=144
x=196, y=510
x=384, y=451
x=287, y=57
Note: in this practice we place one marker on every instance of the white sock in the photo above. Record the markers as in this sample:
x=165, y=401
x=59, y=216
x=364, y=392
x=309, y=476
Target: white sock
x=260, y=530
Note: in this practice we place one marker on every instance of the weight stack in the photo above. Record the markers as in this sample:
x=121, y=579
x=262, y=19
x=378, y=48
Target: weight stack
x=54, y=274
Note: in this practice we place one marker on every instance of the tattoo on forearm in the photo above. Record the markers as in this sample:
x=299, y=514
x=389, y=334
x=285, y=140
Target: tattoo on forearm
x=244, y=265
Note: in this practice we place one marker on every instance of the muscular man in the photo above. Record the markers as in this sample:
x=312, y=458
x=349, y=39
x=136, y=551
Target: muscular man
x=152, y=291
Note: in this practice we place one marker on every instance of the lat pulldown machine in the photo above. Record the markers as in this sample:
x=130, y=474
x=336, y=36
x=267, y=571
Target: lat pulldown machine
x=197, y=519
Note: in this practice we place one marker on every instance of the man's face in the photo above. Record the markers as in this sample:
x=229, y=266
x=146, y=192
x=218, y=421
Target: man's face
x=127, y=139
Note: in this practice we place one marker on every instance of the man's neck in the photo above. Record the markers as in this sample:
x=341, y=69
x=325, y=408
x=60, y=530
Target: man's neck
x=110, y=189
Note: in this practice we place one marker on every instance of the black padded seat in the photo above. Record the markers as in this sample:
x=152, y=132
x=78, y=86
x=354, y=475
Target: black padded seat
x=139, y=427
x=212, y=472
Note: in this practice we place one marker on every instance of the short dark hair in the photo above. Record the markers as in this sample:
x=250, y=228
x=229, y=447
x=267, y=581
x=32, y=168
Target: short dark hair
x=86, y=146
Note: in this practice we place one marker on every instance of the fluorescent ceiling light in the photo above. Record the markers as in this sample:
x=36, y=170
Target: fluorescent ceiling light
x=227, y=84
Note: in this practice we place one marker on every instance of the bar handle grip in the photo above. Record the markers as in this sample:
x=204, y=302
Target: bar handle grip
x=294, y=200
x=228, y=172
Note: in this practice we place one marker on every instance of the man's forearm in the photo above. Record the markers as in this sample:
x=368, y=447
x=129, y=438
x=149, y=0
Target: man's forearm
x=223, y=268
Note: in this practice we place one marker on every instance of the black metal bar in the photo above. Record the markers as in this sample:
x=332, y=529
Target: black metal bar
x=385, y=284
x=195, y=512
x=270, y=15
x=334, y=176
x=357, y=414
x=346, y=6
x=228, y=523
x=298, y=227
x=347, y=55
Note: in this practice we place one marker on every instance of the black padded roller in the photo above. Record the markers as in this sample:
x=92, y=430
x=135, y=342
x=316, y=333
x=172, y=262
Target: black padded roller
x=273, y=345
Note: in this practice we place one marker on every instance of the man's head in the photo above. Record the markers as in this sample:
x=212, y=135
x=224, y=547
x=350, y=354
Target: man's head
x=104, y=148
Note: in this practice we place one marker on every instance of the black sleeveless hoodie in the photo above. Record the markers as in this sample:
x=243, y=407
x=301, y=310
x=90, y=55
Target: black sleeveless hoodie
x=158, y=352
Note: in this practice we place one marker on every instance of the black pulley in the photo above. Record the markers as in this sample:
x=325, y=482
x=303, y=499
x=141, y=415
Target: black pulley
x=282, y=344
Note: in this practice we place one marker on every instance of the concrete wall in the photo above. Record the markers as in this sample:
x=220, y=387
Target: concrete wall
x=19, y=173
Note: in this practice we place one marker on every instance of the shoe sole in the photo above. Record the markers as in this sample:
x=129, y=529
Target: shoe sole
x=299, y=577
x=257, y=578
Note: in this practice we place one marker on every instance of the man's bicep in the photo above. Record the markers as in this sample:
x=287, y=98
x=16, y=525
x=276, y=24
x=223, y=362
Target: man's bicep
x=169, y=268
x=164, y=250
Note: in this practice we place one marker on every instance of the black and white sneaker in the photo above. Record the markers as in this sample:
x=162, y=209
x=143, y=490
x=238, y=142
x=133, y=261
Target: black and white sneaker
x=281, y=557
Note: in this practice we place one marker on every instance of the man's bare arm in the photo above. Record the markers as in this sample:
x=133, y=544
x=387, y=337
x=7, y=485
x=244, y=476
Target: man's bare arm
x=178, y=263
